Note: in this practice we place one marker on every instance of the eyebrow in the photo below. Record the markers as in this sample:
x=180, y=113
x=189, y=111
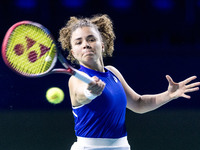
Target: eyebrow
x=89, y=36
x=77, y=39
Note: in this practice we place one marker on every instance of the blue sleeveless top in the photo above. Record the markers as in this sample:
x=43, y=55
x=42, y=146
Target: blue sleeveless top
x=104, y=117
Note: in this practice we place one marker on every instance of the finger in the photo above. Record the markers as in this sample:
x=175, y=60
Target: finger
x=97, y=88
x=92, y=84
x=189, y=79
x=193, y=85
x=169, y=79
x=97, y=91
x=186, y=96
x=95, y=78
x=192, y=90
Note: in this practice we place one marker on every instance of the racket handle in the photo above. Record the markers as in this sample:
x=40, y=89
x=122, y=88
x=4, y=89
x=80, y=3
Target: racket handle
x=83, y=77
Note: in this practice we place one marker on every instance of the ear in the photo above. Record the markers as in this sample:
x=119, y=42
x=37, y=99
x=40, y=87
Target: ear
x=103, y=47
x=72, y=52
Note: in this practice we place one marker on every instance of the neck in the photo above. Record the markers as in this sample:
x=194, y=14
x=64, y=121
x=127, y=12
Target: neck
x=95, y=66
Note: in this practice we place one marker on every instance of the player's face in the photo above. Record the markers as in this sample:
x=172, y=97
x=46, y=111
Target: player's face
x=87, y=46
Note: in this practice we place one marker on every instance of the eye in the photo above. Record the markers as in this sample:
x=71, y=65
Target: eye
x=77, y=42
x=92, y=40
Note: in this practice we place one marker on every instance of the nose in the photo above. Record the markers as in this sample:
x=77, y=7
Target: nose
x=86, y=45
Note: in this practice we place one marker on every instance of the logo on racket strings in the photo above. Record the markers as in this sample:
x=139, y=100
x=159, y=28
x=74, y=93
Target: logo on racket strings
x=32, y=55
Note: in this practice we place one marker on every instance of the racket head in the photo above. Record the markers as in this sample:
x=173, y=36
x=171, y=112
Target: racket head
x=29, y=49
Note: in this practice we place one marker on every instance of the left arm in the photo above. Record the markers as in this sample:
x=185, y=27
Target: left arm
x=174, y=91
x=145, y=103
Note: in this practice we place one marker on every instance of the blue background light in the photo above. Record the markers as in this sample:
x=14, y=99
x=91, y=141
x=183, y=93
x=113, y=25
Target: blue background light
x=73, y=3
x=26, y=4
x=123, y=4
x=163, y=4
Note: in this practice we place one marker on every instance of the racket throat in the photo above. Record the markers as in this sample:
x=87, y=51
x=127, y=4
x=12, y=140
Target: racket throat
x=71, y=71
x=65, y=71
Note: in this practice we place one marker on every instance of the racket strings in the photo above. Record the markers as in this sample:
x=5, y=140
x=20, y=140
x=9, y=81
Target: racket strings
x=30, y=50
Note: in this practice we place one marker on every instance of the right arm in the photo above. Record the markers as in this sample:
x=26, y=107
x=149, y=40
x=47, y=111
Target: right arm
x=77, y=88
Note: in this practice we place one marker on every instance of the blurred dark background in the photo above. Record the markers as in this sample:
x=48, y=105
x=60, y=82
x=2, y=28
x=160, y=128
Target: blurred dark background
x=154, y=38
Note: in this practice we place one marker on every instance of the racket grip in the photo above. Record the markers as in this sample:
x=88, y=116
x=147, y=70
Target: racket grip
x=83, y=77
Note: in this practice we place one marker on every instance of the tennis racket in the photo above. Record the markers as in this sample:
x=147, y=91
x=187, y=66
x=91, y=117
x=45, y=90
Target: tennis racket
x=29, y=49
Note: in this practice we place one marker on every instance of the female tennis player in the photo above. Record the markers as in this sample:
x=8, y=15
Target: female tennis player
x=99, y=107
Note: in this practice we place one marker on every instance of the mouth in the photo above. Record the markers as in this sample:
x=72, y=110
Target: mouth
x=88, y=52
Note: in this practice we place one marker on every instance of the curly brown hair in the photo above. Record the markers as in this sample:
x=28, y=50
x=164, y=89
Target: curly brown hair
x=102, y=23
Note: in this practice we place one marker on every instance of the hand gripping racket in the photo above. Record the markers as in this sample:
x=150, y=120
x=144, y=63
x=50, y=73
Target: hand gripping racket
x=29, y=49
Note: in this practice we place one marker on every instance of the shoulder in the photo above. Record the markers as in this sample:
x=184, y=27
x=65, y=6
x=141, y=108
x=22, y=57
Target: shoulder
x=111, y=68
x=115, y=71
x=75, y=82
x=72, y=80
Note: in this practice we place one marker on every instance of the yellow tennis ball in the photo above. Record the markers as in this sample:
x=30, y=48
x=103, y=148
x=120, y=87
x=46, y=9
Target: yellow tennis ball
x=55, y=95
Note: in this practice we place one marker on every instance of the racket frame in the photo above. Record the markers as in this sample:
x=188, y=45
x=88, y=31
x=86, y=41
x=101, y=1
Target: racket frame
x=7, y=37
x=58, y=55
